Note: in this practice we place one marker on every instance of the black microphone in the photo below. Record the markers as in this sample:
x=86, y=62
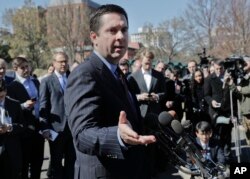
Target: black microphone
x=185, y=140
x=165, y=118
x=177, y=127
x=155, y=122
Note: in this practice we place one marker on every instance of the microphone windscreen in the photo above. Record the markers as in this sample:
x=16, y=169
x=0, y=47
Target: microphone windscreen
x=151, y=121
x=177, y=127
x=165, y=118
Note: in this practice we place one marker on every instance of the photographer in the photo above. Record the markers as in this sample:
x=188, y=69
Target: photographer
x=243, y=92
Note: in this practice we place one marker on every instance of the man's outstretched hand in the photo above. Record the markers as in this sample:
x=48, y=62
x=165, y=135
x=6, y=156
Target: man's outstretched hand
x=129, y=136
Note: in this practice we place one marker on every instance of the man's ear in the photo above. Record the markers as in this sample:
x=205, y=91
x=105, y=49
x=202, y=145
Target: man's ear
x=93, y=35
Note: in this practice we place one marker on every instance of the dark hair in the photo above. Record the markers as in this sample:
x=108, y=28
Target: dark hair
x=95, y=17
x=192, y=61
x=2, y=86
x=123, y=63
x=194, y=84
x=18, y=61
x=203, y=126
x=218, y=62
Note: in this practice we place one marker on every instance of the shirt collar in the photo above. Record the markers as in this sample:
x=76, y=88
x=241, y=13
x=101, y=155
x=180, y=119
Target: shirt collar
x=60, y=75
x=146, y=72
x=111, y=67
x=21, y=79
x=203, y=145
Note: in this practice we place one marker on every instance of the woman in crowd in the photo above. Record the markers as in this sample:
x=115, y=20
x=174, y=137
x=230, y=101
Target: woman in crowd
x=199, y=105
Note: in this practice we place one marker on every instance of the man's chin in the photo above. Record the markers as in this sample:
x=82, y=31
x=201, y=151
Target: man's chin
x=117, y=55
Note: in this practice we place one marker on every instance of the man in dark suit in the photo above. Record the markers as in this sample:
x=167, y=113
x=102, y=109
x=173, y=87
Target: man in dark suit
x=217, y=95
x=25, y=89
x=102, y=112
x=10, y=132
x=206, y=144
x=148, y=85
x=54, y=120
x=209, y=147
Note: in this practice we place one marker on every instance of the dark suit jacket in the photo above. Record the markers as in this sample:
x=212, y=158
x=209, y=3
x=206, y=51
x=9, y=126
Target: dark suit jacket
x=138, y=86
x=11, y=140
x=52, y=104
x=213, y=90
x=93, y=100
x=17, y=91
x=8, y=79
x=217, y=153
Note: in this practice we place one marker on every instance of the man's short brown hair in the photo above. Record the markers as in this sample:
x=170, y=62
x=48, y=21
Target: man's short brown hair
x=18, y=61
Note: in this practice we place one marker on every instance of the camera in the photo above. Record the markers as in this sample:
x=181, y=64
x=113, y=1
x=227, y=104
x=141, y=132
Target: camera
x=235, y=67
x=204, y=59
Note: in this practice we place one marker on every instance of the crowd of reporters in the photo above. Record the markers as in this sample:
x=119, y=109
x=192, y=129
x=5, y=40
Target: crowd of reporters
x=203, y=94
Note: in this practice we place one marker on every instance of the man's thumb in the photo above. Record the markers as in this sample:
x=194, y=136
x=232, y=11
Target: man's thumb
x=123, y=118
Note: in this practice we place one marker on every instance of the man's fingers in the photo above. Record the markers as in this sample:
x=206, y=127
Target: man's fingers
x=147, y=139
x=123, y=118
x=127, y=132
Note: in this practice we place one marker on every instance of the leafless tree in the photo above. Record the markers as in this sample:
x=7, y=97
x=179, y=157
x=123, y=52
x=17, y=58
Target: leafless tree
x=68, y=26
x=201, y=16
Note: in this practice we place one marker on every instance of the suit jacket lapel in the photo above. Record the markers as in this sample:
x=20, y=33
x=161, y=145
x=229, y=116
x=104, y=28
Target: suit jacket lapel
x=112, y=83
x=106, y=74
x=56, y=83
x=142, y=81
x=153, y=81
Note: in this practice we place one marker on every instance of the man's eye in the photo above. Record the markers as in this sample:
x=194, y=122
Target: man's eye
x=124, y=30
x=113, y=31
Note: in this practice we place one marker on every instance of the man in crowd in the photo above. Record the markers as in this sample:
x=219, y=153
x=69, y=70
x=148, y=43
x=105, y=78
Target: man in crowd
x=160, y=67
x=216, y=94
x=148, y=85
x=192, y=67
x=25, y=89
x=11, y=127
x=102, y=113
x=124, y=66
x=54, y=120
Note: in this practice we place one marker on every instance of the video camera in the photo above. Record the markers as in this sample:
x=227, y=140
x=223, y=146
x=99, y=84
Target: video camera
x=203, y=58
x=235, y=67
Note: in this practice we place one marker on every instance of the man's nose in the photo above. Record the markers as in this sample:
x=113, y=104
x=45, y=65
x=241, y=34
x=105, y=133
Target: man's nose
x=120, y=35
